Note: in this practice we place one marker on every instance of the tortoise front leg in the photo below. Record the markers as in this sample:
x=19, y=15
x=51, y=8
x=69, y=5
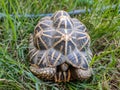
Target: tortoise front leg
x=43, y=73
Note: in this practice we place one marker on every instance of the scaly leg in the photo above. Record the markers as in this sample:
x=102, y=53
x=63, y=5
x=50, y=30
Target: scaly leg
x=83, y=74
x=64, y=75
x=57, y=77
x=69, y=75
x=43, y=73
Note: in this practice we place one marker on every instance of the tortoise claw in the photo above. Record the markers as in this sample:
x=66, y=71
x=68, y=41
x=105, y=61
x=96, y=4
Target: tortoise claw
x=62, y=76
x=58, y=77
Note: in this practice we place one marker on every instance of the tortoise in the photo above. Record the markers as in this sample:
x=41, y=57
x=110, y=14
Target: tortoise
x=59, y=49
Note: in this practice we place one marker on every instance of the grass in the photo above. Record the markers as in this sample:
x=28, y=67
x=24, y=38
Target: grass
x=103, y=26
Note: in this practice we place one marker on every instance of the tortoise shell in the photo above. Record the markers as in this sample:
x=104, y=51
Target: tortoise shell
x=60, y=41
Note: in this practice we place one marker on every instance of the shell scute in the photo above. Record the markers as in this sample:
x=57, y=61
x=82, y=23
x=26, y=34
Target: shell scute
x=64, y=38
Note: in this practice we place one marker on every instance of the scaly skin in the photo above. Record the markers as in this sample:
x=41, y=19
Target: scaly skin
x=44, y=73
x=83, y=74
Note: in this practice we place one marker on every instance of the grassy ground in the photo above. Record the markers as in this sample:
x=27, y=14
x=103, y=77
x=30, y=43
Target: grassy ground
x=103, y=26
